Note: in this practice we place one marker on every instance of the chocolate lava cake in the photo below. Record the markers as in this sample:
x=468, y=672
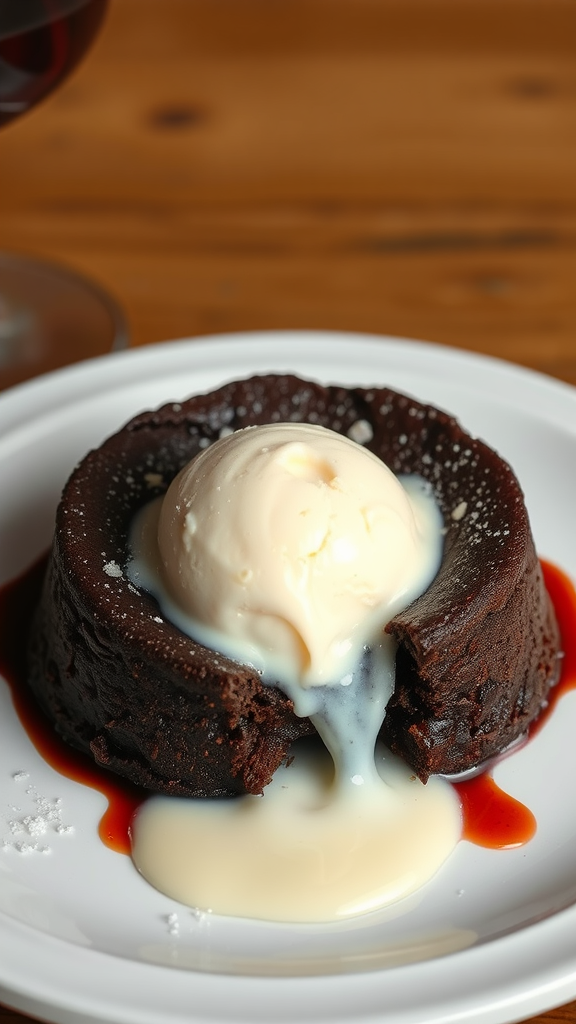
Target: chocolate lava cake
x=476, y=655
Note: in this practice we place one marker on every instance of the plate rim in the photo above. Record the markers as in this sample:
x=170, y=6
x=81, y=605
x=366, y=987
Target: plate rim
x=77, y=376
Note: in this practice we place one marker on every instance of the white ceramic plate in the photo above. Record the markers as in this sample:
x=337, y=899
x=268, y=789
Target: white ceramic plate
x=491, y=939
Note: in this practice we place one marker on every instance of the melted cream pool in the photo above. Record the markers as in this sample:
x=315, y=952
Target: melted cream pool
x=346, y=831
x=309, y=850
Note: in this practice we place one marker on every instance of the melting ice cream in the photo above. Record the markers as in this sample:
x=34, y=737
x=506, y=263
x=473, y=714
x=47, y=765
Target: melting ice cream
x=289, y=547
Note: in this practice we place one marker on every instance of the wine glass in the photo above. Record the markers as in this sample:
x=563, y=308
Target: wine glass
x=48, y=316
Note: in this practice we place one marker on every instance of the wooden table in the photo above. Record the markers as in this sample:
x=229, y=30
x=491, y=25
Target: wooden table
x=394, y=166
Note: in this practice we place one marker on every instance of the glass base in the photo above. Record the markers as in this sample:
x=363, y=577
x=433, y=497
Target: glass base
x=50, y=317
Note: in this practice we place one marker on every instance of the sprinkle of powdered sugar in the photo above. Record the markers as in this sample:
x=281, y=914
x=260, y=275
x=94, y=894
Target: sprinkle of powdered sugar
x=361, y=432
x=153, y=479
x=460, y=511
x=23, y=827
x=113, y=569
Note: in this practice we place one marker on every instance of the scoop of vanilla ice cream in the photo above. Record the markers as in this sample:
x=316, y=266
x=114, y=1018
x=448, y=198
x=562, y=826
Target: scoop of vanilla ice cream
x=291, y=541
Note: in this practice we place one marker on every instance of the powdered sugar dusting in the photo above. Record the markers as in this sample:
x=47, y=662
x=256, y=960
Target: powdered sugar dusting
x=173, y=924
x=460, y=511
x=154, y=479
x=113, y=569
x=33, y=821
x=360, y=431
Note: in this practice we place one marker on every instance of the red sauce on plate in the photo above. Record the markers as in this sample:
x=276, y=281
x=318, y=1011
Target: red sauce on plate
x=18, y=600
x=491, y=818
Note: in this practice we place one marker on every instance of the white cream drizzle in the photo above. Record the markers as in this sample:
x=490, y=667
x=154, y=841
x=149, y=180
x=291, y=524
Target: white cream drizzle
x=330, y=838
x=308, y=850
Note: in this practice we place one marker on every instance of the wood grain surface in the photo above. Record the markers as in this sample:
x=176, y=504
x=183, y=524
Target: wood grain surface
x=402, y=167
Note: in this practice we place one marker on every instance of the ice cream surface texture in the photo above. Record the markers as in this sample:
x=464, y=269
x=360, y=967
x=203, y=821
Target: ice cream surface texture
x=293, y=543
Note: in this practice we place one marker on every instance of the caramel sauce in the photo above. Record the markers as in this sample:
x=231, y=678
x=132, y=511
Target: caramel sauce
x=491, y=818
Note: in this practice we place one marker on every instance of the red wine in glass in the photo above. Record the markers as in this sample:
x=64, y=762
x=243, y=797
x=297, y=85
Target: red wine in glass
x=49, y=317
x=41, y=41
